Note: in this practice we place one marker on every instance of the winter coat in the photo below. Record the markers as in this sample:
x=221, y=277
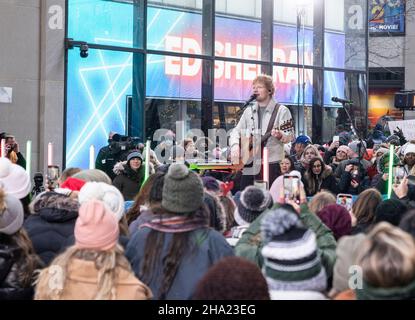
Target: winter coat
x=12, y=265
x=380, y=184
x=325, y=181
x=344, y=185
x=342, y=165
x=81, y=283
x=207, y=247
x=127, y=180
x=250, y=245
x=108, y=157
x=52, y=224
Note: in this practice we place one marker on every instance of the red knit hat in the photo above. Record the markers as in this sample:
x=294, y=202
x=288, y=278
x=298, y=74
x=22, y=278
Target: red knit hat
x=337, y=219
x=73, y=184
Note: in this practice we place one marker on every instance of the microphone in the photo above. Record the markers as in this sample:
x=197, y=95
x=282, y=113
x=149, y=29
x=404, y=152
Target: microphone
x=251, y=98
x=335, y=99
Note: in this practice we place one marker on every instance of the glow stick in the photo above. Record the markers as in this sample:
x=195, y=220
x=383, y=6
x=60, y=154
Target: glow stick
x=147, y=157
x=266, y=166
x=92, y=157
x=390, y=171
x=50, y=154
x=28, y=156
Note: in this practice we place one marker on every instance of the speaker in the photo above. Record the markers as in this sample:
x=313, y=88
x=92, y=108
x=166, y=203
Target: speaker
x=405, y=100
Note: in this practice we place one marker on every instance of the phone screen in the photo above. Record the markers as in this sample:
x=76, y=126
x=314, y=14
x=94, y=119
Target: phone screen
x=53, y=176
x=398, y=174
x=336, y=138
x=345, y=200
x=292, y=188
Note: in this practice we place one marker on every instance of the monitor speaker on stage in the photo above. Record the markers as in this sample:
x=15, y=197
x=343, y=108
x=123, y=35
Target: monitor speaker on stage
x=405, y=100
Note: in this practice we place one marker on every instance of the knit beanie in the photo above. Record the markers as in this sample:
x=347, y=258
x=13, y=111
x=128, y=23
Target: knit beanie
x=391, y=210
x=134, y=154
x=354, y=146
x=11, y=214
x=232, y=278
x=381, y=164
x=337, y=219
x=250, y=203
x=210, y=183
x=182, y=190
x=93, y=175
x=291, y=259
x=73, y=184
x=410, y=148
x=14, y=179
x=96, y=227
x=110, y=195
x=345, y=149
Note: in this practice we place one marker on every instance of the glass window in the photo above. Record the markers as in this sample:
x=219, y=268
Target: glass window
x=237, y=37
x=173, y=93
x=346, y=47
x=97, y=92
x=293, y=32
x=289, y=85
x=104, y=22
x=176, y=30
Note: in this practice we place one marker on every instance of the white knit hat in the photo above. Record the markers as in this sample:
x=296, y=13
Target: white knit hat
x=410, y=148
x=14, y=179
x=106, y=193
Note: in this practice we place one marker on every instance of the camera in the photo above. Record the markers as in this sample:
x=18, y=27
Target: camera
x=38, y=188
x=83, y=50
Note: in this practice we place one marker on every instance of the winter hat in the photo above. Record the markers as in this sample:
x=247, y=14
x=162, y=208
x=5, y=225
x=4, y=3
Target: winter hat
x=225, y=281
x=110, y=195
x=250, y=203
x=303, y=140
x=393, y=139
x=96, y=227
x=182, y=190
x=345, y=149
x=291, y=259
x=410, y=148
x=134, y=154
x=210, y=183
x=383, y=160
x=337, y=219
x=382, y=150
x=354, y=146
x=391, y=210
x=11, y=214
x=73, y=184
x=14, y=179
x=95, y=175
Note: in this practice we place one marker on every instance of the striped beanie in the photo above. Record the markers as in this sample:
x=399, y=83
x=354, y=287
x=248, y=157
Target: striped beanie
x=291, y=260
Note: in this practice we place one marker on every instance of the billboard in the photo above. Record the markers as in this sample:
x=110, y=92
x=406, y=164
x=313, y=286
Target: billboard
x=387, y=16
x=97, y=87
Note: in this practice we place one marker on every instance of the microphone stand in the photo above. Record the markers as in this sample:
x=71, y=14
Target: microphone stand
x=353, y=128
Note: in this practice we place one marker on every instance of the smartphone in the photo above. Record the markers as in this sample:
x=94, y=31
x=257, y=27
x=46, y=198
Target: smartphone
x=292, y=188
x=345, y=200
x=52, y=176
x=398, y=174
x=336, y=138
x=261, y=184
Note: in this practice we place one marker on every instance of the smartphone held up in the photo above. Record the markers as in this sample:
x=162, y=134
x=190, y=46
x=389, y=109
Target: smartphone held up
x=292, y=188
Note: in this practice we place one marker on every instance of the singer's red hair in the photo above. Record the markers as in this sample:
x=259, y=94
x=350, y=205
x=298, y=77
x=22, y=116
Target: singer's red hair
x=267, y=81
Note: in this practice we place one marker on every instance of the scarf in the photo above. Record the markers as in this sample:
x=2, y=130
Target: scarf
x=175, y=224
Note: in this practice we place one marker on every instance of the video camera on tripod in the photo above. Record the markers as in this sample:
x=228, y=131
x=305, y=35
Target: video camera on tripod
x=120, y=143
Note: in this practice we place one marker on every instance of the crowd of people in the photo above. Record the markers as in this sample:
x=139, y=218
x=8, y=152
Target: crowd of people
x=188, y=234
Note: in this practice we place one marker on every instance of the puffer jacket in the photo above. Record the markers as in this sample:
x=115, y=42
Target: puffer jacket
x=127, y=180
x=325, y=181
x=51, y=224
x=12, y=266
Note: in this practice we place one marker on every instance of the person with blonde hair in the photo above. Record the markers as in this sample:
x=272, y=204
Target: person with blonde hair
x=320, y=200
x=95, y=268
x=387, y=259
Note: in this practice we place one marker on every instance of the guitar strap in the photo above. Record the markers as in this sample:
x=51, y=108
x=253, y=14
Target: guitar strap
x=270, y=125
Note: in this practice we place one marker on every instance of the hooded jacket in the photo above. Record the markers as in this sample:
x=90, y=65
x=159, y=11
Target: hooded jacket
x=51, y=224
x=127, y=180
x=325, y=180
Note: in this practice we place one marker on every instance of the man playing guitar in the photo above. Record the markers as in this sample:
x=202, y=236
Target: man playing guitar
x=256, y=124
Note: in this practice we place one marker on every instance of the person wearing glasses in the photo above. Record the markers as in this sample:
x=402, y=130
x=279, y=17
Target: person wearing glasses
x=319, y=176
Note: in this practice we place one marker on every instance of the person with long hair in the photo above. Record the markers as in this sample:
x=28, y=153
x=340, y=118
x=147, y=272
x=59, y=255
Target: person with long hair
x=364, y=209
x=320, y=200
x=95, y=268
x=18, y=260
x=319, y=176
x=173, y=251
